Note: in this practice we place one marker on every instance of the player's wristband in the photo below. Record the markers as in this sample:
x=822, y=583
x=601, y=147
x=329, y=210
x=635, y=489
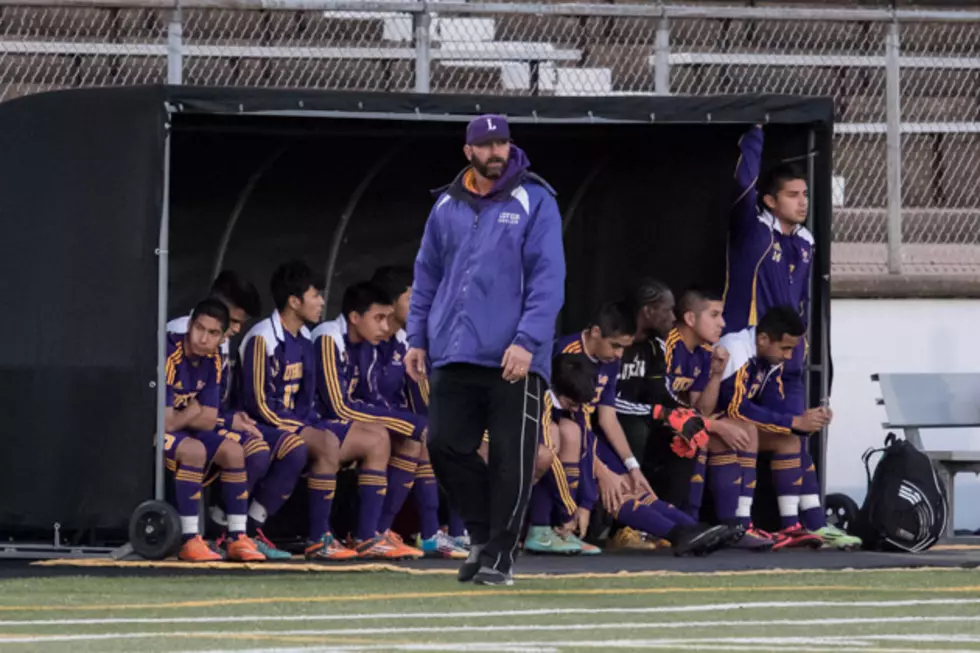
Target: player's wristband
x=631, y=463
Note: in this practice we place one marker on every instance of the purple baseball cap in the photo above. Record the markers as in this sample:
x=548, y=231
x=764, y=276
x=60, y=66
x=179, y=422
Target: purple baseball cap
x=488, y=127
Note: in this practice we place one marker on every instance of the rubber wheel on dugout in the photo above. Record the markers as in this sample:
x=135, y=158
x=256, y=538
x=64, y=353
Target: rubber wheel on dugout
x=841, y=511
x=154, y=530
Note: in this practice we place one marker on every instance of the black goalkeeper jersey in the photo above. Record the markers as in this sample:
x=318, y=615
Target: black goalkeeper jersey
x=642, y=380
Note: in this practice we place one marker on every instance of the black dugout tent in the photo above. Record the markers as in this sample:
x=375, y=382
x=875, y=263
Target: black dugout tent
x=121, y=203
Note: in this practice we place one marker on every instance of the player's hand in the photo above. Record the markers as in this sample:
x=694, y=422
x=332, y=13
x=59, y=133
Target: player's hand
x=613, y=488
x=639, y=483
x=581, y=521
x=516, y=363
x=731, y=434
x=719, y=359
x=415, y=363
x=812, y=420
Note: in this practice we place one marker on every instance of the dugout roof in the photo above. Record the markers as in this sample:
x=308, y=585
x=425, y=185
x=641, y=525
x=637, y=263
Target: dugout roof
x=90, y=179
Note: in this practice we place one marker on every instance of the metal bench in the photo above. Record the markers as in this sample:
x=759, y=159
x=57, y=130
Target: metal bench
x=934, y=401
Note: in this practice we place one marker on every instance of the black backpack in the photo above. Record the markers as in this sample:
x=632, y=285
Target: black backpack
x=906, y=508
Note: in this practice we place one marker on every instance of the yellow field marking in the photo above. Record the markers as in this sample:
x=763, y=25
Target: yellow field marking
x=473, y=593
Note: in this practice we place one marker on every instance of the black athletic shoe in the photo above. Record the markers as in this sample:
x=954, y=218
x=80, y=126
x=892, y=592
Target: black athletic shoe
x=471, y=566
x=490, y=576
x=699, y=539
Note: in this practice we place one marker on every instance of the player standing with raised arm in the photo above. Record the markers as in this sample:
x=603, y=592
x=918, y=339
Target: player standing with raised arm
x=770, y=254
x=489, y=283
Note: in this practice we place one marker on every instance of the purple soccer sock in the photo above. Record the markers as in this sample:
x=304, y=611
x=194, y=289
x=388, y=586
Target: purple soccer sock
x=279, y=482
x=401, y=478
x=322, y=489
x=642, y=516
x=747, y=460
x=426, y=493
x=188, y=498
x=234, y=491
x=696, y=492
x=457, y=528
x=787, y=476
x=258, y=457
x=811, y=510
x=541, y=503
x=673, y=513
x=372, y=486
x=725, y=476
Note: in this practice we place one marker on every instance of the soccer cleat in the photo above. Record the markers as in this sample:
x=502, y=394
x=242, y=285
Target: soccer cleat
x=385, y=547
x=197, y=550
x=544, y=539
x=834, y=537
x=699, y=539
x=328, y=548
x=268, y=549
x=406, y=551
x=632, y=539
x=441, y=545
x=462, y=541
x=796, y=537
x=754, y=540
x=471, y=567
x=243, y=549
x=586, y=548
x=490, y=576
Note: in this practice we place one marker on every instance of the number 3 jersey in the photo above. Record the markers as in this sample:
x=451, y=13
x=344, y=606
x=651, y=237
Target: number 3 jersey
x=278, y=379
x=190, y=377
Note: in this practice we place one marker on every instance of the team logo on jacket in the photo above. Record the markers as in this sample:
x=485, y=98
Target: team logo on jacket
x=507, y=217
x=396, y=359
x=805, y=255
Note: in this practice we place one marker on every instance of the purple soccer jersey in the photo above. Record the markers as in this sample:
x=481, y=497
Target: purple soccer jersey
x=687, y=371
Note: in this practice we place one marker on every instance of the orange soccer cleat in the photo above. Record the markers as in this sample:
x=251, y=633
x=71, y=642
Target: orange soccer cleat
x=243, y=549
x=197, y=550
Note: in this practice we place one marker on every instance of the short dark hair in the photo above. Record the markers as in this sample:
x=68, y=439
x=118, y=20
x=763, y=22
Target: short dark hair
x=574, y=376
x=360, y=297
x=231, y=288
x=775, y=178
x=293, y=279
x=646, y=291
x=694, y=298
x=615, y=319
x=212, y=307
x=393, y=279
x=780, y=321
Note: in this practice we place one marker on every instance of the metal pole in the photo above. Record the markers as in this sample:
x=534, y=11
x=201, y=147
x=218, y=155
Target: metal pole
x=352, y=202
x=423, y=49
x=661, y=66
x=893, y=111
x=175, y=48
x=163, y=273
x=236, y=212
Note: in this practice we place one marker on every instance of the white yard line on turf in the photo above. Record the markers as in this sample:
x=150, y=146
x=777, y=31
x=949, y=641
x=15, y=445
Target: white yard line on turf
x=802, y=645
x=428, y=616
x=626, y=627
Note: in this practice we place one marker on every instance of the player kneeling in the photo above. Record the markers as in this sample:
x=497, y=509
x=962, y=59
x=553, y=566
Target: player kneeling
x=603, y=474
x=191, y=442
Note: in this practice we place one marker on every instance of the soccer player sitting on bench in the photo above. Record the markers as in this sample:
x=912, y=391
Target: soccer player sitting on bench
x=397, y=390
x=752, y=391
x=191, y=442
x=694, y=372
x=243, y=303
x=278, y=384
x=346, y=375
x=602, y=474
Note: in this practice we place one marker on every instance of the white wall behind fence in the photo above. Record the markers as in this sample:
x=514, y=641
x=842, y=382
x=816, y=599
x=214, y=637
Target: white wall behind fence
x=881, y=335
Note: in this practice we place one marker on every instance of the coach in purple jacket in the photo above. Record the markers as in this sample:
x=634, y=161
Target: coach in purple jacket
x=489, y=282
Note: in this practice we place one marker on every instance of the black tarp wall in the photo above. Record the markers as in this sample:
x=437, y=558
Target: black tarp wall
x=82, y=179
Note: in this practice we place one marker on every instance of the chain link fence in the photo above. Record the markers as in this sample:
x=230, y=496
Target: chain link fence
x=609, y=49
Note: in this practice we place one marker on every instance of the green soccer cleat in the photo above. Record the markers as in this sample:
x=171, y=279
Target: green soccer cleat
x=543, y=539
x=268, y=549
x=587, y=549
x=834, y=537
